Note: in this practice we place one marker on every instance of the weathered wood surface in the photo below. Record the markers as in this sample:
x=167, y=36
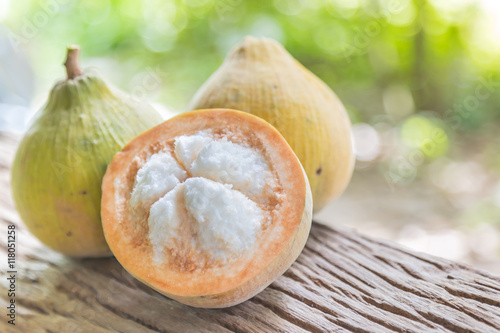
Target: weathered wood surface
x=342, y=282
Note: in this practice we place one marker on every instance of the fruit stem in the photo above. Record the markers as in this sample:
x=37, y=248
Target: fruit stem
x=72, y=65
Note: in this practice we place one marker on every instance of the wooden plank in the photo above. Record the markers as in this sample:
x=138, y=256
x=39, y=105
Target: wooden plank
x=342, y=281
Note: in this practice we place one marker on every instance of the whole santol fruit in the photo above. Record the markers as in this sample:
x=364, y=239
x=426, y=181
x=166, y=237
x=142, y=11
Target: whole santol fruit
x=260, y=77
x=59, y=165
x=208, y=208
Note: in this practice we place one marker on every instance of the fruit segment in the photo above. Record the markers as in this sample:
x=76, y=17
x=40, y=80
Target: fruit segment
x=156, y=178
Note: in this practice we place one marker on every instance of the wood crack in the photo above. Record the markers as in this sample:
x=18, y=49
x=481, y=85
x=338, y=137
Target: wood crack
x=286, y=316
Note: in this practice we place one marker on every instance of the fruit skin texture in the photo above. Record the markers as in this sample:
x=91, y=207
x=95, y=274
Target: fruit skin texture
x=270, y=262
x=59, y=165
x=260, y=77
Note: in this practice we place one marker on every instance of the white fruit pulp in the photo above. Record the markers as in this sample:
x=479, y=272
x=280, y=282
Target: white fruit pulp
x=202, y=197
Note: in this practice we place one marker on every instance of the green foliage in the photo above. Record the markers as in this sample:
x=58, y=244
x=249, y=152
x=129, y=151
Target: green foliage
x=436, y=50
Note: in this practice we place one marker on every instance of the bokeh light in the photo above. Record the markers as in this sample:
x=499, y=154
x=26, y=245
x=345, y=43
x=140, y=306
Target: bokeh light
x=426, y=135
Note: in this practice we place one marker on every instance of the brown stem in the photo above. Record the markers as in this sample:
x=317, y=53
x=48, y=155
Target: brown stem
x=72, y=65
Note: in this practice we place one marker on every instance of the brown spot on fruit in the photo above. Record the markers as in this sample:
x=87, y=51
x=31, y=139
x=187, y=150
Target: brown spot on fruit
x=83, y=192
x=318, y=171
x=69, y=234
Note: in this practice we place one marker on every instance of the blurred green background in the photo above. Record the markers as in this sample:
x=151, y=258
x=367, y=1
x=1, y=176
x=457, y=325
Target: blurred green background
x=420, y=80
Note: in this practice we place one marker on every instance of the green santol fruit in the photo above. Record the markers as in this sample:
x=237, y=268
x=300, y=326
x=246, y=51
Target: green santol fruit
x=60, y=163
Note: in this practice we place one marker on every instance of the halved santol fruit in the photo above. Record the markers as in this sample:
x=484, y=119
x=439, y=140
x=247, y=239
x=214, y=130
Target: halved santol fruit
x=207, y=208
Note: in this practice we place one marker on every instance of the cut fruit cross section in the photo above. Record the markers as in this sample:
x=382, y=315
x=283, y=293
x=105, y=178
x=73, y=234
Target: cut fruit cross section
x=208, y=208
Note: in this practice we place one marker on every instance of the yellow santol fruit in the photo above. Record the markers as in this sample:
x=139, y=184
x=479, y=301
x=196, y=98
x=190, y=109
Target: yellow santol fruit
x=60, y=163
x=260, y=77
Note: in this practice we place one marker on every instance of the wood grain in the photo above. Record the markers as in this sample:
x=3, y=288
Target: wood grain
x=342, y=281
